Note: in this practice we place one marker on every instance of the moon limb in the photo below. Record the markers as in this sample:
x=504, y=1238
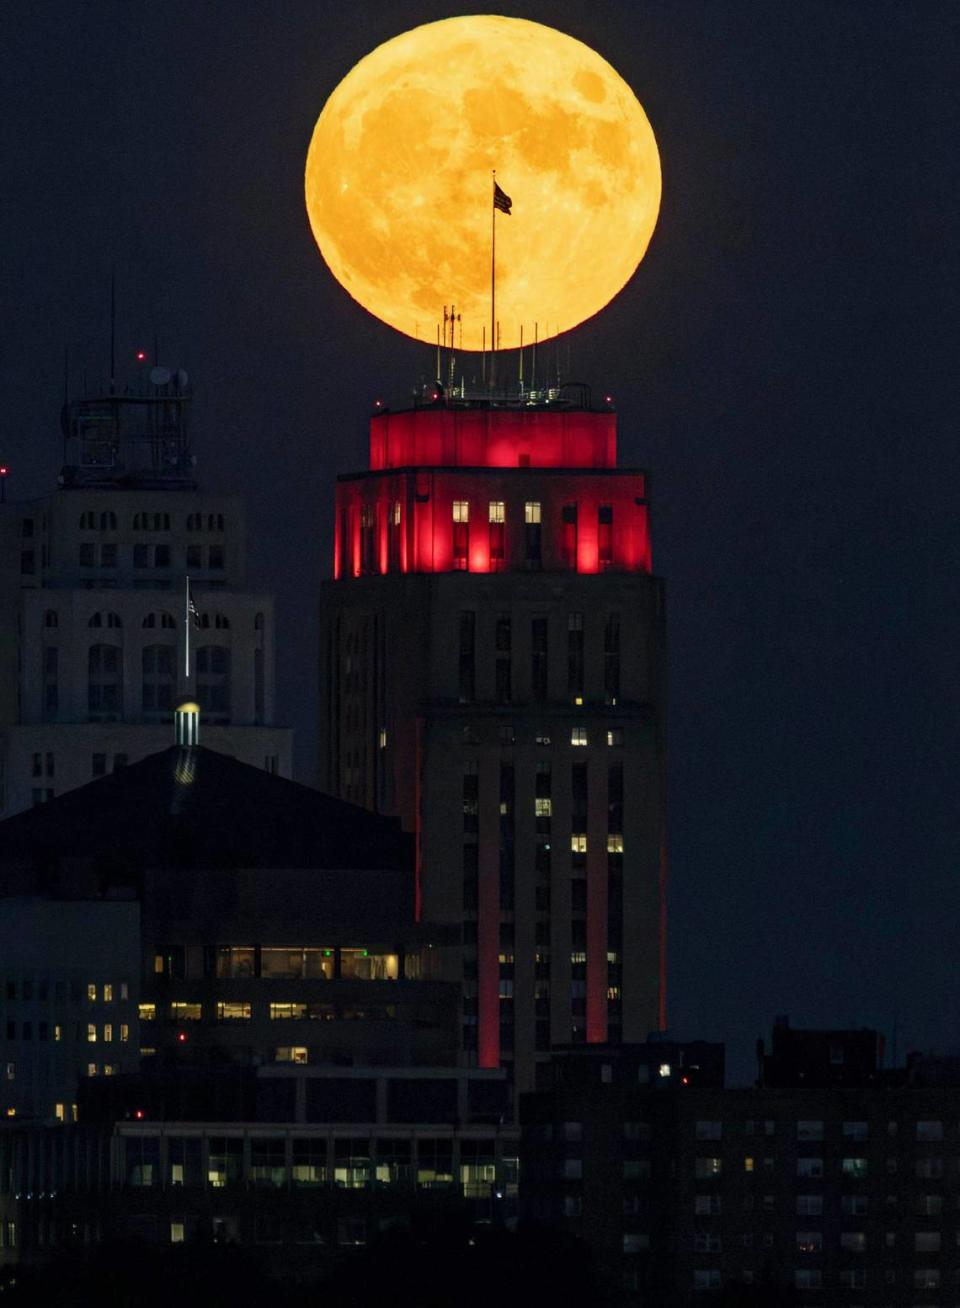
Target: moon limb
x=407, y=138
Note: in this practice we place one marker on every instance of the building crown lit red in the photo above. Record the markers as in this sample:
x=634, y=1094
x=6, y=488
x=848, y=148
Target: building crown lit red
x=480, y=488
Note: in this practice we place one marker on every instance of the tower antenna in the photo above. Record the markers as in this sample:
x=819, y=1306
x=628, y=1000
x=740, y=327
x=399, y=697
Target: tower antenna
x=533, y=360
x=521, y=358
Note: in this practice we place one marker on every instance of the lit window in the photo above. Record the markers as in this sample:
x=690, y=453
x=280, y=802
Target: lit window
x=235, y=1012
x=147, y=1012
x=578, y=736
x=461, y=510
x=383, y=738
x=543, y=807
x=92, y=993
x=809, y=1241
x=11, y=1071
x=109, y=1069
x=124, y=990
x=184, y=1012
x=108, y=1032
x=124, y=1033
x=92, y=1069
x=285, y=1012
x=664, y=1069
x=578, y=843
x=497, y=511
x=615, y=736
x=703, y=1168
x=158, y=962
x=615, y=844
x=91, y=1034
x=292, y=1054
x=57, y=1031
x=531, y=512
x=60, y=1112
x=176, y=1233
x=748, y=1164
x=363, y=965
x=108, y=994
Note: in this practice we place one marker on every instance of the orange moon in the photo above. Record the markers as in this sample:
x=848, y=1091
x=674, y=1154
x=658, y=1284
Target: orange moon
x=399, y=190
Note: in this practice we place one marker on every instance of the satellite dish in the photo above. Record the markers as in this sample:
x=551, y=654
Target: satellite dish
x=182, y=379
x=160, y=376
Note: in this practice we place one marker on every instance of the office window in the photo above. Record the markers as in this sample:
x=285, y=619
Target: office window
x=461, y=535
x=810, y=1167
x=707, y=1205
x=234, y=1012
x=704, y=1168
x=709, y=1130
x=605, y=537
x=157, y=663
x=578, y=736
x=810, y=1130
x=213, y=682
x=538, y=659
x=929, y=1130
x=855, y=1130
x=926, y=1278
x=926, y=1242
x=575, y=650
x=809, y=1205
x=568, y=538
x=853, y=1205
x=852, y=1278
x=104, y=682
x=502, y=679
x=533, y=544
x=853, y=1241
x=467, y=659
x=292, y=1054
x=854, y=1167
x=706, y=1278
x=808, y=1278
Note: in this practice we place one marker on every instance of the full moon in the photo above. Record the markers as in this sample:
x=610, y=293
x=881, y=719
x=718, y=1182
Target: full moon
x=399, y=185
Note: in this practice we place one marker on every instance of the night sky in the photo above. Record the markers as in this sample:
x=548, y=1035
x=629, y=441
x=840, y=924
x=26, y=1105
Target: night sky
x=784, y=362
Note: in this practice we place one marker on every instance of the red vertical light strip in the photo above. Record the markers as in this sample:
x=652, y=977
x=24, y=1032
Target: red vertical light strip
x=337, y=517
x=355, y=542
x=383, y=526
x=596, y=948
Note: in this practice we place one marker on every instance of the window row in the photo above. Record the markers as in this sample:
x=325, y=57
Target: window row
x=161, y=618
x=106, y=520
x=209, y=558
x=535, y=681
x=277, y=1162
x=180, y=1012
x=29, y=989
x=287, y=962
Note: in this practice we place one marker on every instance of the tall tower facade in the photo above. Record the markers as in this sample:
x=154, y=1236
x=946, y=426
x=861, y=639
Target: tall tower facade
x=492, y=670
x=93, y=623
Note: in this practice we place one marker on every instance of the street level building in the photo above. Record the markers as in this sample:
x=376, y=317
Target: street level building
x=93, y=620
x=492, y=670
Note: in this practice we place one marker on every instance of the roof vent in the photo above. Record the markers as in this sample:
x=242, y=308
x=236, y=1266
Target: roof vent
x=187, y=724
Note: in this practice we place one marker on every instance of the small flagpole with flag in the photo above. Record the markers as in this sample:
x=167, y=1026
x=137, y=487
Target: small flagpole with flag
x=191, y=617
x=502, y=202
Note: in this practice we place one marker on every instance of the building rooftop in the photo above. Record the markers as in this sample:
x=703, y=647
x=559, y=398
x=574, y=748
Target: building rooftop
x=194, y=807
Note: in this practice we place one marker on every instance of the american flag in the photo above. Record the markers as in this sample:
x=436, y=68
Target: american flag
x=501, y=200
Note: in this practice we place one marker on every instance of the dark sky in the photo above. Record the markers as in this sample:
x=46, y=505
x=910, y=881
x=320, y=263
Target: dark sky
x=784, y=363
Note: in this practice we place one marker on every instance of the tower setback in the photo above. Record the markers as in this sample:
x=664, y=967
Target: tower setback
x=492, y=669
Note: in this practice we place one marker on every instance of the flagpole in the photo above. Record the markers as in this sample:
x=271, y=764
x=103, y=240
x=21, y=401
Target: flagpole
x=493, y=284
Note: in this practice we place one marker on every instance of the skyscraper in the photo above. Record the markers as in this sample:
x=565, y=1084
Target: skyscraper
x=93, y=622
x=492, y=670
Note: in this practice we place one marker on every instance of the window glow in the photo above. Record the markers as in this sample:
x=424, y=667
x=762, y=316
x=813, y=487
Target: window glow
x=234, y=1012
x=578, y=843
x=461, y=510
x=184, y=1012
x=292, y=1054
x=92, y=993
x=91, y=1034
x=497, y=511
x=531, y=513
x=615, y=844
x=578, y=736
x=148, y=1012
